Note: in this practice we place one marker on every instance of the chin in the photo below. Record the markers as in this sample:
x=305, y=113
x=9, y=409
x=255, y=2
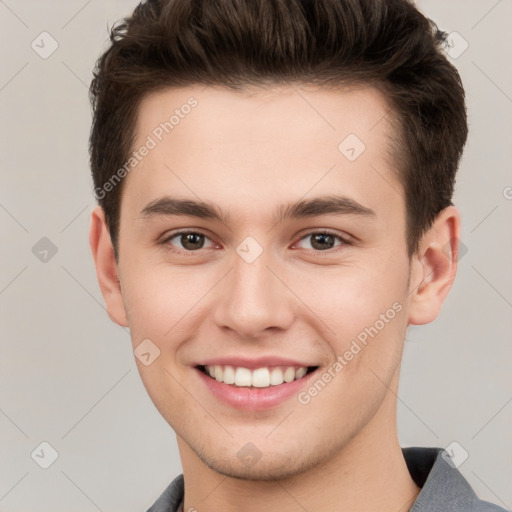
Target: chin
x=280, y=468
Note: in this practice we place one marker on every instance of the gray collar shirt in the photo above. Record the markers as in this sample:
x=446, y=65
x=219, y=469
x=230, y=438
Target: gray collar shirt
x=443, y=488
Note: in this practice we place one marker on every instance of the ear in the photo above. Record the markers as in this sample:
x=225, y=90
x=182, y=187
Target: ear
x=106, y=267
x=434, y=267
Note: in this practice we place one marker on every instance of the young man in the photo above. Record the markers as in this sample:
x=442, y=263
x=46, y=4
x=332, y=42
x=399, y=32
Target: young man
x=275, y=182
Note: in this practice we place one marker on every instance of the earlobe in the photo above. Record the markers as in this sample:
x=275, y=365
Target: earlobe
x=434, y=267
x=106, y=267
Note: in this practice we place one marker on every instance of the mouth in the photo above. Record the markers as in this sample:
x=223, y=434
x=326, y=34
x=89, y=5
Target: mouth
x=263, y=377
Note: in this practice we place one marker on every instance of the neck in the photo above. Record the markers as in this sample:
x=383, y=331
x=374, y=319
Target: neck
x=369, y=473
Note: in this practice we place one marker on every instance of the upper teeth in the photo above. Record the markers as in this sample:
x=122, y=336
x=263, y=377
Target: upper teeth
x=259, y=378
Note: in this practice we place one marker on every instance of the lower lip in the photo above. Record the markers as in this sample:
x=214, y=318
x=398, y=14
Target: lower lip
x=254, y=399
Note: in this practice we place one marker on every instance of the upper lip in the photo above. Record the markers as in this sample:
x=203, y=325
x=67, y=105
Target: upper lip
x=259, y=362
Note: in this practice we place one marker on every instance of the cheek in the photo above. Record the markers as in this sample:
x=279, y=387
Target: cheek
x=158, y=299
x=165, y=302
x=349, y=299
x=362, y=318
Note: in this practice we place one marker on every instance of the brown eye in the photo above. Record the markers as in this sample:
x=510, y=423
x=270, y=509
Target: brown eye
x=192, y=241
x=323, y=241
x=187, y=241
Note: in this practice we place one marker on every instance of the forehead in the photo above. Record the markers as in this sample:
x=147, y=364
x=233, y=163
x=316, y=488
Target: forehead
x=260, y=110
x=280, y=142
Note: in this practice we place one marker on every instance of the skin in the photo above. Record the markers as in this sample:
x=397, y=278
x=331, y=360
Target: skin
x=248, y=152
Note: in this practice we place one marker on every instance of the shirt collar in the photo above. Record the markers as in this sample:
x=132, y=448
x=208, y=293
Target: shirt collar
x=440, y=482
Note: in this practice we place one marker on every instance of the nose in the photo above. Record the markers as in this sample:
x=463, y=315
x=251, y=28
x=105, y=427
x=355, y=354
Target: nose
x=254, y=299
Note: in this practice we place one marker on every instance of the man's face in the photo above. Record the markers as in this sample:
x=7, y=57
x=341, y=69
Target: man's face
x=254, y=291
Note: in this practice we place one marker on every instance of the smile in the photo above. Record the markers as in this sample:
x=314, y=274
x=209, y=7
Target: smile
x=263, y=377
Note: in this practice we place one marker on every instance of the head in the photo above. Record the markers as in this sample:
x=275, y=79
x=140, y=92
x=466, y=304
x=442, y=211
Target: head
x=249, y=107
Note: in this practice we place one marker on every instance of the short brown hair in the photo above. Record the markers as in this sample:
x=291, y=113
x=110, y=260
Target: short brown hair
x=237, y=43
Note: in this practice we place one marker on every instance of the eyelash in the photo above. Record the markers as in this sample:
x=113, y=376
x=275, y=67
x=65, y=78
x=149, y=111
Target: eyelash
x=342, y=240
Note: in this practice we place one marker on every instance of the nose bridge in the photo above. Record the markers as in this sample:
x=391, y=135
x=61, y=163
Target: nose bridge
x=253, y=279
x=253, y=298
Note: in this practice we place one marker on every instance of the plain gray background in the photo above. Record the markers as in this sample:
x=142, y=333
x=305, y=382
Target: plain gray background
x=68, y=375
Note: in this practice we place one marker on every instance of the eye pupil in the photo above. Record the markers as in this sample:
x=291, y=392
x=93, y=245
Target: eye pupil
x=322, y=240
x=189, y=240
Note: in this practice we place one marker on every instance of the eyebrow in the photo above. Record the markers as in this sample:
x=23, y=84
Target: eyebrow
x=324, y=205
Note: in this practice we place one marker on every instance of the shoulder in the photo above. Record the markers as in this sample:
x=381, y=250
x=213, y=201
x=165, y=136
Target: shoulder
x=442, y=485
x=170, y=499
x=485, y=506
